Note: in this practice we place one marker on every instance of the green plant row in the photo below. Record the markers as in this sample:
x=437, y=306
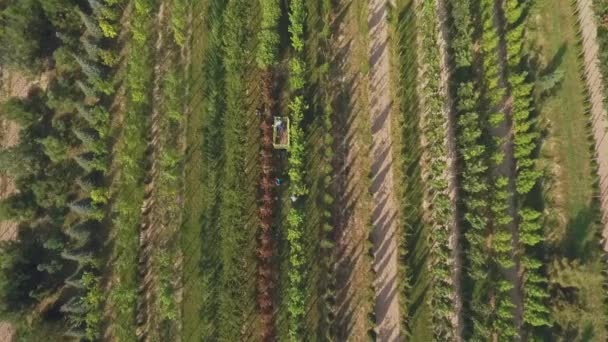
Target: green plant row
x=127, y=190
x=68, y=126
x=471, y=132
x=99, y=42
x=296, y=291
x=268, y=35
x=326, y=198
x=500, y=319
x=434, y=131
x=525, y=140
x=237, y=199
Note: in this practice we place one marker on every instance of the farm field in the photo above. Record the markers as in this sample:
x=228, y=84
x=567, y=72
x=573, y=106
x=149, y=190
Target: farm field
x=298, y=170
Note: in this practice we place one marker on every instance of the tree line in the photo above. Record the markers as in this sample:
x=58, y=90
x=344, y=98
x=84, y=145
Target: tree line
x=62, y=158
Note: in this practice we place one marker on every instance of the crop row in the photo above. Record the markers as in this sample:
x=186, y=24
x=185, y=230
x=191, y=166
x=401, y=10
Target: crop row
x=296, y=293
x=66, y=127
x=127, y=189
x=435, y=169
x=474, y=162
x=500, y=320
x=525, y=141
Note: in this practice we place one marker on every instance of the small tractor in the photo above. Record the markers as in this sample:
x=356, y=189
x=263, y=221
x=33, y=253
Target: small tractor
x=280, y=133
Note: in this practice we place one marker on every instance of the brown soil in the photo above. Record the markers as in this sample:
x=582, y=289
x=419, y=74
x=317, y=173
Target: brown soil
x=353, y=203
x=384, y=217
x=266, y=281
x=7, y=332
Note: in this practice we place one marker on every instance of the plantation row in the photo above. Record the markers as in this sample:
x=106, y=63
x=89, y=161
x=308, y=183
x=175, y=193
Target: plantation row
x=507, y=275
x=296, y=293
x=152, y=203
x=127, y=186
x=434, y=168
x=61, y=168
x=484, y=142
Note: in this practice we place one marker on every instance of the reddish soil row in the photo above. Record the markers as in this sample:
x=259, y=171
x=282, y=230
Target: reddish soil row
x=266, y=274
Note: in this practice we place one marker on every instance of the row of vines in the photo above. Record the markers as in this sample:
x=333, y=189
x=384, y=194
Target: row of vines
x=525, y=141
x=433, y=127
x=474, y=164
x=127, y=190
x=296, y=292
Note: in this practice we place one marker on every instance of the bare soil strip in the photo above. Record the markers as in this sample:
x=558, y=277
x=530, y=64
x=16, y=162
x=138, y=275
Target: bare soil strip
x=599, y=117
x=353, y=203
x=7, y=332
x=384, y=202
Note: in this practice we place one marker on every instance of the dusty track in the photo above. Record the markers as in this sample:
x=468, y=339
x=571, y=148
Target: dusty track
x=599, y=116
x=382, y=189
x=353, y=203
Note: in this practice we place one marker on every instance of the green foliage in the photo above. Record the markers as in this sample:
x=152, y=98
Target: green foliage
x=440, y=215
x=26, y=35
x=179, y=13
x=268, y=35
x=166, y=293
x=20, y=111
x=296, y=293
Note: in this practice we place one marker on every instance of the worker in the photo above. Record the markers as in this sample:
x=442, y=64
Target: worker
x=278, y=180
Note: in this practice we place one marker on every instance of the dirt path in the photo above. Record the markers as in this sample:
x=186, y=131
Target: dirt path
x=6, y=332
x=384, y=202
x=599, y=116
x=353, y=203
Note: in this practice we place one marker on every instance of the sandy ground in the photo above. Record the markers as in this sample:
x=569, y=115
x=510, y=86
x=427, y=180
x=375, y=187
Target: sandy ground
x=384, y=202
x=598, y=111
x=6, y=332
x=353, y=203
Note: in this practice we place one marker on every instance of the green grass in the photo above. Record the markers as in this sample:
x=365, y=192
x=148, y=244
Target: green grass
x=220, y=214
x=566, y=108
x=195, y=323
x=574, y=191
